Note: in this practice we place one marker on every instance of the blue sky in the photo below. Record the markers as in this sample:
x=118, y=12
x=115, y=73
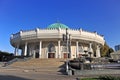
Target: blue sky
x=102, y=16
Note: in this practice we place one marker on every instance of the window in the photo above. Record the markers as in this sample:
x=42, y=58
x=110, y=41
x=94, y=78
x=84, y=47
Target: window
x=36, y=47
x=80, y=48
x=51, y=47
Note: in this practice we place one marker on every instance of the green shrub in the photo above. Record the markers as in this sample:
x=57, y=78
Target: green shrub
x=108, y=78
x=102, y=78
x=88, y=79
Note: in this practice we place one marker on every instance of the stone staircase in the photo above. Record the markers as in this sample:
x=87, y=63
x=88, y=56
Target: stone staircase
x=40, y=64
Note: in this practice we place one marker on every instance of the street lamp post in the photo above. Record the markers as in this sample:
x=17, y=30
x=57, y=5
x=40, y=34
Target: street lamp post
x=67, y=43
x=67, y=67
x=66, y=39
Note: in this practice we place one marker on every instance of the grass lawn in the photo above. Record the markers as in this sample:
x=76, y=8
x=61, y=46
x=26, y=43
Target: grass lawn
x=101, y=78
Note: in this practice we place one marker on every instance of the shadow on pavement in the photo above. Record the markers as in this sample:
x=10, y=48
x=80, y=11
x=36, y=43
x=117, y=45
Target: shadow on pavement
x=62, y=69
x=9, y=77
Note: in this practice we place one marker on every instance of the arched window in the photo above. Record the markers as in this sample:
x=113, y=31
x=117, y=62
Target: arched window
x=36, y=47
x=51, y=47
x=80, y=48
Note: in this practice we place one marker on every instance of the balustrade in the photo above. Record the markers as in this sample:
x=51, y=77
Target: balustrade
x=55, y=33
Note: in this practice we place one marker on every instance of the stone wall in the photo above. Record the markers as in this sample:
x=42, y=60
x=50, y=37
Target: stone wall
x=94, y=72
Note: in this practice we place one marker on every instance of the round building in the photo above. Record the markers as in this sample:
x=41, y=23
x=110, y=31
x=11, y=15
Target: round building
x=57, y=41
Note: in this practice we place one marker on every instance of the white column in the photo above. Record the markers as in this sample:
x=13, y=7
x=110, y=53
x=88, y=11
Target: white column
x=90, y=49
x=25, y=50
x=46, y=53
x=34, y=54
x=59, y=50
x=40, y=47
x=90, y=45
x=98, y=51
x=16, y=50
x=76, y=49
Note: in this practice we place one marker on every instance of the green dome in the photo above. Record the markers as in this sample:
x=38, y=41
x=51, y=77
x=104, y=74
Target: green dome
x=57, y=25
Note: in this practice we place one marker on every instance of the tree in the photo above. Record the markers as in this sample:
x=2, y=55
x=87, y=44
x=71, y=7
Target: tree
x=109, y=51
x=106, y=50
x=5, y=56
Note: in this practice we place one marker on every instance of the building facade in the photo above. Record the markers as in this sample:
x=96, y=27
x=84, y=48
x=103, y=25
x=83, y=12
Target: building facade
x=51, y=42
x=117, y=47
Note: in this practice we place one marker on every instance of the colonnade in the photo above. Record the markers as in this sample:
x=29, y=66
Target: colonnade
x=16, y=51
x=58, y=53
x=89, y=50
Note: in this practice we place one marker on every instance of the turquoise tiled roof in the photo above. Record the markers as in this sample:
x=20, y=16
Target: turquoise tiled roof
x=57, y=25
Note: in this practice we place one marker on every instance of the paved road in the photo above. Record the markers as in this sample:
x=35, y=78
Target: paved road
x=12, y=74
x=24, y=74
